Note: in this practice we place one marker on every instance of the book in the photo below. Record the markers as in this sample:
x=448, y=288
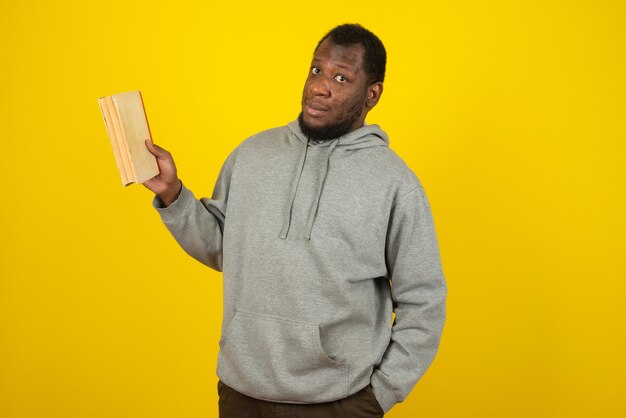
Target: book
x=127, y=125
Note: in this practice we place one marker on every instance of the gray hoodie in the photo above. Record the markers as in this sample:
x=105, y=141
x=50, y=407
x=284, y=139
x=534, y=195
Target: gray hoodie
x=310, y=237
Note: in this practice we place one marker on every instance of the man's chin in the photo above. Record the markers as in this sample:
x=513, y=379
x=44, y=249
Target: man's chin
x=311, y=122
x=317, y=130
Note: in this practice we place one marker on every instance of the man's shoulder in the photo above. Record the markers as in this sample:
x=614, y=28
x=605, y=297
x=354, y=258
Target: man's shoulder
x=267, y=134
x=397, y=169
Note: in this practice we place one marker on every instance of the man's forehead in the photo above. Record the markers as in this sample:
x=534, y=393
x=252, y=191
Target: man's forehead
x=343, y=56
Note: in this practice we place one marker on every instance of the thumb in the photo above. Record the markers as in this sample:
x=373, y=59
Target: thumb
x=153, y=148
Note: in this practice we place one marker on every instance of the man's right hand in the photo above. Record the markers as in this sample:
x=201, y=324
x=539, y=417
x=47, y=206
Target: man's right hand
x=166, y=185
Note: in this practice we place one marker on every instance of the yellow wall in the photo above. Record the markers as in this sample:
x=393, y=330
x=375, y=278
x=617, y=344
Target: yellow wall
x=511, y=113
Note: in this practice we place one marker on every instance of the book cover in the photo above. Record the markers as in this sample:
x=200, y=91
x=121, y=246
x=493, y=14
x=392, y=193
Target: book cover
x=127, y=126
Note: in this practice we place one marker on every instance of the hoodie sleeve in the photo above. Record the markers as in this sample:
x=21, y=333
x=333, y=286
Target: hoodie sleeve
x=418, y=289
x=198, y=224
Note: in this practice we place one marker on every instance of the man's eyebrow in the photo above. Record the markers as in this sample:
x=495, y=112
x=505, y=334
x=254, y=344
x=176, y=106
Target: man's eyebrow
x=340, y=65
x=344, y=67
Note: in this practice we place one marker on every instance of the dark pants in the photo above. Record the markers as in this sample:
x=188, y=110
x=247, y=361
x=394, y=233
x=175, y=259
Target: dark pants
x=233, y=404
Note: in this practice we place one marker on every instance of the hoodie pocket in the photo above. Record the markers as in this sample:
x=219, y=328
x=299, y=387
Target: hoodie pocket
x=279, y=360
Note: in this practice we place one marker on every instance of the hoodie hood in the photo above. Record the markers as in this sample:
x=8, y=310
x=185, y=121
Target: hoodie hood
x=367, y=136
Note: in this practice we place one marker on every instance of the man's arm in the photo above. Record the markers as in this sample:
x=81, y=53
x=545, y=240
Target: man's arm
x=419, y=293
x=197, y=225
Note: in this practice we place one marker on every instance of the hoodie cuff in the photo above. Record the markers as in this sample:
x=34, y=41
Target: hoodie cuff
x=177, y=208
x=383, y=391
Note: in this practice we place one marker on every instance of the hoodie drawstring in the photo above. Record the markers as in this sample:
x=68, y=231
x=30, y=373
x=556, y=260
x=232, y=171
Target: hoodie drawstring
x=287, y=223
x=313, y=213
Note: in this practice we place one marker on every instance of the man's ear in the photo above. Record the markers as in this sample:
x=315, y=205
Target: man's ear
x=373, y=94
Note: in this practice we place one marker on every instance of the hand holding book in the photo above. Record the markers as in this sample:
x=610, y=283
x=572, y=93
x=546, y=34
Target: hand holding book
x=138, y=159
x=166, y=185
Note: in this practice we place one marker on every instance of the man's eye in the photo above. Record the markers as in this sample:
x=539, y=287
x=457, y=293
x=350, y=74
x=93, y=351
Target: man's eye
x=315, y=70
x=341, y=78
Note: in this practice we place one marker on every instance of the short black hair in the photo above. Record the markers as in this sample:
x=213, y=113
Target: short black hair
x=374, y=57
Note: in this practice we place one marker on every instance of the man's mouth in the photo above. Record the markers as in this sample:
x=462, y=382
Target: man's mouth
x=314, y=109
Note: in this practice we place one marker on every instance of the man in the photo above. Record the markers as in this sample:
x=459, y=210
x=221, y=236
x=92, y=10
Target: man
x=321, y=232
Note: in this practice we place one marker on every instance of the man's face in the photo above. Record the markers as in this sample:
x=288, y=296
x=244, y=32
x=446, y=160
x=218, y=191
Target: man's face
x=334, y=100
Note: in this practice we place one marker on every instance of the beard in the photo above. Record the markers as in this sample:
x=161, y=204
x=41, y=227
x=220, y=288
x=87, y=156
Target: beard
x=326, y=133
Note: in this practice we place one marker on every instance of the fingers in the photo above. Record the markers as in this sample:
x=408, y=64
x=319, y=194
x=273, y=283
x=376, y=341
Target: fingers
x=149, y=184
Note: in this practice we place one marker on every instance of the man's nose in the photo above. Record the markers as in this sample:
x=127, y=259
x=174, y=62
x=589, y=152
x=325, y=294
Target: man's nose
x=319, y=87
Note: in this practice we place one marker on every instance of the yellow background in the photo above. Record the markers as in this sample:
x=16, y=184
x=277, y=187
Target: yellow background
x=512, y=114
